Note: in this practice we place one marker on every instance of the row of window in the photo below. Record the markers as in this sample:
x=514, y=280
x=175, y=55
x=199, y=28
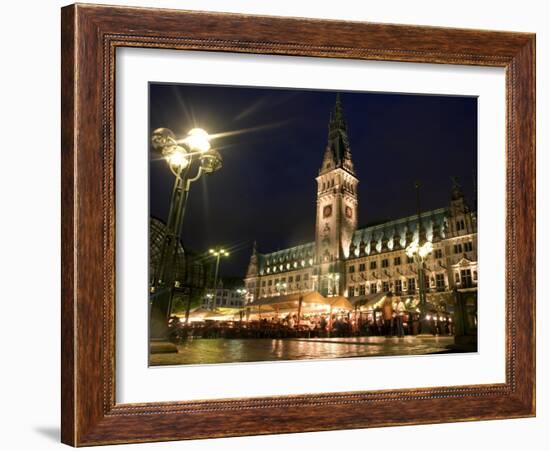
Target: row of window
x=385, y=263
x=464, y=279
x=330, y=184
x=396, y=286
x=459, y=248
x=285, y=290
x=290, y=279
x=289, y=266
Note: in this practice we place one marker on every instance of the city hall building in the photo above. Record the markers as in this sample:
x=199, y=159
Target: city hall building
x=351, y=261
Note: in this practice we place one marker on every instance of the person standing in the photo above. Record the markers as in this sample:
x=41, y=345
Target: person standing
x=387, y=314
x=399, y=313
x=323, y=325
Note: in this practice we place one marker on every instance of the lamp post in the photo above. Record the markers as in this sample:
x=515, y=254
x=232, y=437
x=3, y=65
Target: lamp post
x=188, y=159
x=209, y=297
x=418, y=250
x=419, y=253
x=334, y=284
x=242, y=292
x=217, y=253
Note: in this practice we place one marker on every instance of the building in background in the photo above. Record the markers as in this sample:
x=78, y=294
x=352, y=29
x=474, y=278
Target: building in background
x=192, y=272
x=230, y=293
x=351, y=261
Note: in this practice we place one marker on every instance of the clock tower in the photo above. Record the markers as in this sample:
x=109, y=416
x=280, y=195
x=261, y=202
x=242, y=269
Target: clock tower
x=336, y=206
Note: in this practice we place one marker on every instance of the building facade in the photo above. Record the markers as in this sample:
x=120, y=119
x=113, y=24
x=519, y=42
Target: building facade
x=229, y=293
x=224, y=297
x=351, y=261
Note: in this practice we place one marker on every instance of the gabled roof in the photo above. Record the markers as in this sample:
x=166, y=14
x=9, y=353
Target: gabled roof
x=399, y=228
x=289, y=256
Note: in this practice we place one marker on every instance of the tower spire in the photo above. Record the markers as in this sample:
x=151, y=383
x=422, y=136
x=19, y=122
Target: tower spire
x=337, y=124
x=456, y=189
x=338, y=112
x=338, y=152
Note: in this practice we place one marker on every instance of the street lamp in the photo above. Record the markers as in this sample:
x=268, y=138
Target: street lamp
x=209, y=297
x=188, y=159
x=418, y=250
x=217, y=253
x=334, y=284
x=419, y=253
x=242, y=292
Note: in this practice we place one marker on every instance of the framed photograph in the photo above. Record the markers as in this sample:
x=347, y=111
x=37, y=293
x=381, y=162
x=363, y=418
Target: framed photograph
x=278, y=225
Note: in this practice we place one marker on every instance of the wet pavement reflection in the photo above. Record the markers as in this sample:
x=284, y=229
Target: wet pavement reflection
x=203, y=351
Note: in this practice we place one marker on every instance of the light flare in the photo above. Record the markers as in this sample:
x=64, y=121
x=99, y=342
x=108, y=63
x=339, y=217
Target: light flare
x=198, y=140
x=178, y=159
x=243, y=131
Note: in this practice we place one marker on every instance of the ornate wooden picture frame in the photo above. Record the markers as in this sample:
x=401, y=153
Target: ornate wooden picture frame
x=90, y=37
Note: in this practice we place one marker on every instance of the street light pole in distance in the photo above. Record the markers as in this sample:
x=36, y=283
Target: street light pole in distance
x=217, y=253
x=419, y=250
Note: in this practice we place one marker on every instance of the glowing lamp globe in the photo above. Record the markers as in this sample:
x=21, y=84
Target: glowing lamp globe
x=197, y=140
x=412, y=249
x=425, y=249
x=211, y=161
x=162, y=138
x=176, y=156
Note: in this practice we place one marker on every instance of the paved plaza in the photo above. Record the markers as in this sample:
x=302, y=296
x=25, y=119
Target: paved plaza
x=203, y=351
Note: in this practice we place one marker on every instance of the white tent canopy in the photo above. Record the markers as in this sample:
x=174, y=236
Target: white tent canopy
x=368, y=301
x=309, y=301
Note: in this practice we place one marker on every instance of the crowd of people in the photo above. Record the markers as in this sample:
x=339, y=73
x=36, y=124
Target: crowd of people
x=392, y=319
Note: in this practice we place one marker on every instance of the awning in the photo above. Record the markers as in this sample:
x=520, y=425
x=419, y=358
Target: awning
x=220, y=314
x=294, y=298
x=223, y=314
x=368, y=301
x=339, y=302
x=199, y=313
x=310, y=300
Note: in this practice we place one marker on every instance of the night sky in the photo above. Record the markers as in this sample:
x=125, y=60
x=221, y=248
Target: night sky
x=266, y=190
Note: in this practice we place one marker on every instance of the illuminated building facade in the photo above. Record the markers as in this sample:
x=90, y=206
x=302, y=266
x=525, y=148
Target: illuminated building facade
x=351, y=261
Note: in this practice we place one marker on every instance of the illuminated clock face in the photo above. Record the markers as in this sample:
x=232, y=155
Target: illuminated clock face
x=327, y=211
x=349, y=212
